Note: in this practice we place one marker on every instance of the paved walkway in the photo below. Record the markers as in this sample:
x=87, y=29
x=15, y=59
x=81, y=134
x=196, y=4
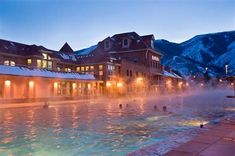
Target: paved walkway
x=219, y=140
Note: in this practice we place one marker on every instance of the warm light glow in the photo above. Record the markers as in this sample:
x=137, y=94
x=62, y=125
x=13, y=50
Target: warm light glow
x=55, y=85
x=220, y=80
x=74, y=85
x=7, y=82
x=119, y=84
x=31, y=84
x=187, y=84
x=89, y=86
x=232, y=84
x=180, y=84
x=201, y=84
x=139, y=80
x=108, y=84
x=168, y=82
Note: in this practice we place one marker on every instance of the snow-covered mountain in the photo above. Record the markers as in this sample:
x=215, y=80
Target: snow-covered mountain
x=209, y=51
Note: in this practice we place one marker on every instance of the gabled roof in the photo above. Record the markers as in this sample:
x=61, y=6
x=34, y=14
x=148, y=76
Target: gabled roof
x=66, y=48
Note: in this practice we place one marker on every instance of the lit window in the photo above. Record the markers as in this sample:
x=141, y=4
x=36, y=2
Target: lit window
x=49, y=66
x=101, y=73
x=44, y=64
x=29, y=62
x=12, y=63
x=48, y=57
x=7, y=63
x=100, y=67
x=39, y=64
x=67, y=69
x=58, y=69
x=78, y=69
x=87, y=68
x=82, y=68
x=44, y=56
x=91, y=67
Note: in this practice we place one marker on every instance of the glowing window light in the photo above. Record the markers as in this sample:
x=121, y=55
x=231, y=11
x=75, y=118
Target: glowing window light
x=55, y=85
x=119, y=84
x=232, y=84
x=108, y=84
x=31, y=84
x=220, y=80
x=180, y=84
x=7, y=82
x=74, y=85
x=139, y=80
x=89, y=86
x=187, y=84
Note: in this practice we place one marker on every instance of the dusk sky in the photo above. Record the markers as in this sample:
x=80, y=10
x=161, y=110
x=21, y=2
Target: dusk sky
x=83, y=23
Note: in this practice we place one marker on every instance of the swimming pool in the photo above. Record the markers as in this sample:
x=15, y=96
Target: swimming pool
x=101, y=127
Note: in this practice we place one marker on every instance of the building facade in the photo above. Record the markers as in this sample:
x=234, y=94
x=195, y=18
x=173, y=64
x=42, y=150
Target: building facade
x=125, y=63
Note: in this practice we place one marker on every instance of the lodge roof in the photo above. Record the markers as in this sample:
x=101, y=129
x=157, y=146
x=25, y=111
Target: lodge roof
x=66, y=48
x=23, y=71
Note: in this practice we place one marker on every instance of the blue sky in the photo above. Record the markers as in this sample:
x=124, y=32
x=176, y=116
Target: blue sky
x=83, y=23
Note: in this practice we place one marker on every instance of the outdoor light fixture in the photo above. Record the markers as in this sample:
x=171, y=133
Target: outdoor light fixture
x=31, y=84
x=55, y=85
x=89, y=86
x=220, y=80
x=74, y=85
x=7, y=82
x=108, y=84
x=119, y=84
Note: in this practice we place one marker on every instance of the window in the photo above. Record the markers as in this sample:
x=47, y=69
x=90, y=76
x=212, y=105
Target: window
x=87, y=68
x=125, y=43
x=106, y=44
x=67, y=69
x=58, y=69
x=29, y=62
x=82, y=68
x=100, y=67
x=49, y=65
x=78, y=69
x=45, y=63
x=39, y=63
x=12, y=63
x=9, y=63
x=100, y=73
x=91, y=67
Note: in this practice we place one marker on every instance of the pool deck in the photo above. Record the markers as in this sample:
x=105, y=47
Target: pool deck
x=218, y=140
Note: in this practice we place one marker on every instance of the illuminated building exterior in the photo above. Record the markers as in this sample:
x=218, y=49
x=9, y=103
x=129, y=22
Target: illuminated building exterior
x=122, y=64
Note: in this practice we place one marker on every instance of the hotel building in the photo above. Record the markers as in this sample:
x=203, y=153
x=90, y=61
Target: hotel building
x=122, y=64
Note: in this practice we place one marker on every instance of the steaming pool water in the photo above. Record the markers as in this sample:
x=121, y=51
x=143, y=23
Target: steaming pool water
x=101, y=128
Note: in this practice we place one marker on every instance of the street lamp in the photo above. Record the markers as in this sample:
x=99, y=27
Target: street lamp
x=226, y=69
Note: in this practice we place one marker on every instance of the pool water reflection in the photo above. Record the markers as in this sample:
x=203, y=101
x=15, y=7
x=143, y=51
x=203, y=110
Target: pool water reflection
x=102, y=128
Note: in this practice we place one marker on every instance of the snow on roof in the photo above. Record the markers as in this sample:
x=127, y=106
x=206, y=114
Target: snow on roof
x=86, y=51
x=168, y=74
x=68, y=56
x=22, y=71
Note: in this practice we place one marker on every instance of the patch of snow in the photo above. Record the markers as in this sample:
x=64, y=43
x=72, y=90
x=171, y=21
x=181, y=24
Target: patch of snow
x=22, y=71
